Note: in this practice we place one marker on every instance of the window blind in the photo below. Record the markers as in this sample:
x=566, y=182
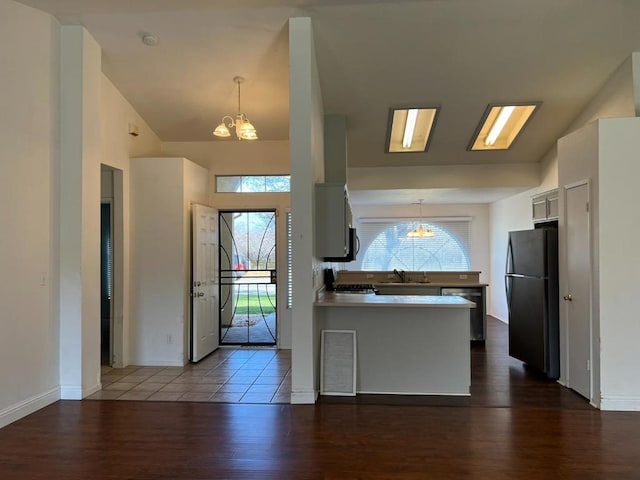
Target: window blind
x=289, y=262
x=386, y=244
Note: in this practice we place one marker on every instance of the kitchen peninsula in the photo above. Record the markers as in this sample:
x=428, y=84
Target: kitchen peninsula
x=406, y=344
x=465, y=284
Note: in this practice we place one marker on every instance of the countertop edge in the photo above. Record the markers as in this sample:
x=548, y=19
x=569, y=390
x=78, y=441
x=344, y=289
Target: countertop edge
x=328, y=300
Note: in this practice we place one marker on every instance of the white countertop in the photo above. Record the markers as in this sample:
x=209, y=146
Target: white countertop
x=430, y=284
x=331, y=299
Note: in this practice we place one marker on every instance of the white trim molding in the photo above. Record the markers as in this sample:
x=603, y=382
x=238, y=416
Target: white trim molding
x=70, y=392
x=28, y=406
x=74, y=392
x=158, y=363
x=304, y=397
x=620, y=403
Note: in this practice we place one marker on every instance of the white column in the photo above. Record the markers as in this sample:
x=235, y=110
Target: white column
x=307, y=162
x=79, y=206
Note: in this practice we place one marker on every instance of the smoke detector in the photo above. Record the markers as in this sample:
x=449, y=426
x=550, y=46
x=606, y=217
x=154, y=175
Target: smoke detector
x=149, y=39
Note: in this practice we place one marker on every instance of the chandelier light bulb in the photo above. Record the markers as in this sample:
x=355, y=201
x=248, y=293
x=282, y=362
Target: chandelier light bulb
x=244, y=129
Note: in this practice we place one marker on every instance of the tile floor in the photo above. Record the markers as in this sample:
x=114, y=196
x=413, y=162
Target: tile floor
x=229, y=376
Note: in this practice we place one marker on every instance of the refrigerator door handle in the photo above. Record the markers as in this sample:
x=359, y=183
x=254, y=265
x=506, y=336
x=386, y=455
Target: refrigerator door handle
x=509, y=261
x=507, y=289
x=507, y=279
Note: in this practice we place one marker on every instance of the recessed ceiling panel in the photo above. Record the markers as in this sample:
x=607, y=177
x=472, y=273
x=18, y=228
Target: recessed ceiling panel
x=410, y=129
x=500, y=125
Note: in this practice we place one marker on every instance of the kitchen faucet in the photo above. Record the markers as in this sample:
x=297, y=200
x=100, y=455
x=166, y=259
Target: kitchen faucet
x=400, y=274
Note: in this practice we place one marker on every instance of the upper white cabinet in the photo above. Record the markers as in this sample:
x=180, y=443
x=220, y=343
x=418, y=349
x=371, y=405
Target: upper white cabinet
x=333, y=220
x=544, y=206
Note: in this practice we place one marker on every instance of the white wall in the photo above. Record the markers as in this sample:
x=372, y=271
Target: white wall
x=95, y=118
x=232, y=157
x=619, y=264
x=29, y=53
x=117, y=149
x=443, y=176
x=195, y=190
x=616, y=98
x=605, y=153
x=79, y=201
x=161, y=189
x=578, y=162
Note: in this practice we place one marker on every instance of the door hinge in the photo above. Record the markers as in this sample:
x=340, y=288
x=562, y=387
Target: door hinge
x=587, y=206
x=588, y=365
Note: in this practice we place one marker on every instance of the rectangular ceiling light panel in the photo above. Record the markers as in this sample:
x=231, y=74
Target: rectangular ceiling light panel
x=410, y=129
x=500, y=125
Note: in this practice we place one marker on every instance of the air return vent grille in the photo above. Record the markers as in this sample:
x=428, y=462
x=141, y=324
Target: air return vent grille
x=338, y=363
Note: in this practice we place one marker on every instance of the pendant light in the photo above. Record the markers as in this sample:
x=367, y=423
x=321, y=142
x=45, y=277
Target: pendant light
x=420, y=232
x=244, y=129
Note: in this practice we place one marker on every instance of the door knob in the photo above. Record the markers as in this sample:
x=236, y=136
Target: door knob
x=568, y=298
x=200, y=294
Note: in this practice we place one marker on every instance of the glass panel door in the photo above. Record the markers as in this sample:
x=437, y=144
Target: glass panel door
x=248, y=278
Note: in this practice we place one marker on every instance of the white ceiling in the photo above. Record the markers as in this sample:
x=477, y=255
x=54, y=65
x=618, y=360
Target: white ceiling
x=459, y=54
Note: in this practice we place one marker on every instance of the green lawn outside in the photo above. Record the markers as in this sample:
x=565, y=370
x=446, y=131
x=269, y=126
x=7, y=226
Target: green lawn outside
x=250, y=304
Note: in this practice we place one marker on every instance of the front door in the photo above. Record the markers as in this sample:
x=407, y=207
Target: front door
x=577, y=298
x=248, y=278
x=204, y=282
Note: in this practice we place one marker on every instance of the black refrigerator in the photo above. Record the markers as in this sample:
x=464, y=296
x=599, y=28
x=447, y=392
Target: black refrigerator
x=531, y=282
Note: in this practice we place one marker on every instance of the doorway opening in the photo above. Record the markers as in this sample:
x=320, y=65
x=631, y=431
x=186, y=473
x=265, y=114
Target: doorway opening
x=112, y=326
x=248, y=290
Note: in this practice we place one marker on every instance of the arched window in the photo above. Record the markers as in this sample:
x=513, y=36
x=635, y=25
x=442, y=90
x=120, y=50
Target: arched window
x=388, y=245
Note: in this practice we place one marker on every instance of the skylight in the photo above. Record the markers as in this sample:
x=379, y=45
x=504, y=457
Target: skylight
x=500, y=125
x=410, y=129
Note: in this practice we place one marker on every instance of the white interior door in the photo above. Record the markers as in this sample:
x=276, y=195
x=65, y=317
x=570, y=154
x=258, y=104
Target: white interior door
x=577, y=300
x=205, y=331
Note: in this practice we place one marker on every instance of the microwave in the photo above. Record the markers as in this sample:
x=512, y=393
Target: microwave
x=353, y=248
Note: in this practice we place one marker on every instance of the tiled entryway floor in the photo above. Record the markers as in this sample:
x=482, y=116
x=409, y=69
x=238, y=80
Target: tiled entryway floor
x=230, y=376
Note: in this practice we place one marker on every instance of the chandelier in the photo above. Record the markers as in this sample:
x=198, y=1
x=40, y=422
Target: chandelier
x=244, y=129
x=420, y=231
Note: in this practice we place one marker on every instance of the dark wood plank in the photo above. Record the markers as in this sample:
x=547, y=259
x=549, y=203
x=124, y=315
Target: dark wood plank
x=536, y=434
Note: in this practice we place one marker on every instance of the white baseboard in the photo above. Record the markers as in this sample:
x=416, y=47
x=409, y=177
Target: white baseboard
x=620, y=403
x=90, y=391
x=28, y=406
x=307, y=397
x=449, y=394
x=157, y=363
x=70, y=392
x=75, y=392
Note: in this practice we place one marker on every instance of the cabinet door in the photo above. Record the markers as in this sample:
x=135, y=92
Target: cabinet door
x=539, y=207
x=552, y=206
x=332, y=222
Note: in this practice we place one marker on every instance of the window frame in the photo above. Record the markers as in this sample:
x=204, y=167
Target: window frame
x=457, y=228
x=241, y=180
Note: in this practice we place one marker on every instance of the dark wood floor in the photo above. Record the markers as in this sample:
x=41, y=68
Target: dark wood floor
x=515, y=426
